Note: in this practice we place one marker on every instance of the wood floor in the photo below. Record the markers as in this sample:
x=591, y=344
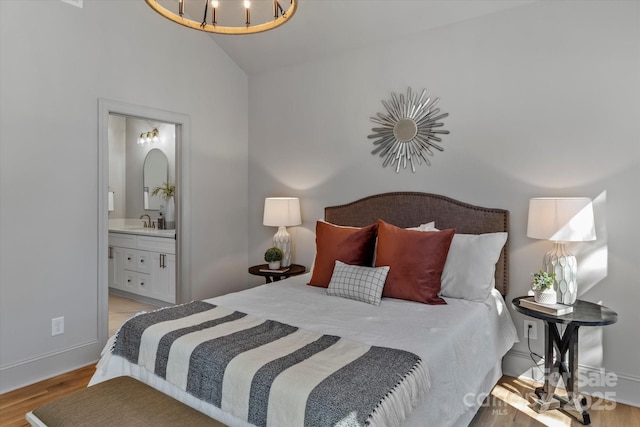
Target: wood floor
x=15, y=404
x=507, y=405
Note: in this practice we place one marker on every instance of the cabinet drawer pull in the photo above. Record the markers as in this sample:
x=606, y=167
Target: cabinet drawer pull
x=128, y=258
x=110, y=252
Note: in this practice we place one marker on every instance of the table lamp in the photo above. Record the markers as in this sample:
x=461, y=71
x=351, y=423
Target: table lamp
x=562, y=219
x=282, y=212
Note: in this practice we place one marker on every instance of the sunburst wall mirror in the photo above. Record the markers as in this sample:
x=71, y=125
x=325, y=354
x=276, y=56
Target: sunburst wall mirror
x=409, y=130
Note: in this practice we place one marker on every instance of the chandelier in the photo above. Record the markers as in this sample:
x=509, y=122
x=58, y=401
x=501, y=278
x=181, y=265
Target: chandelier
x=227, y=16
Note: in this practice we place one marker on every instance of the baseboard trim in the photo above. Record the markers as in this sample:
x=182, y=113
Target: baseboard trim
x=139, y=298
x=625, y=390
x=49, y=365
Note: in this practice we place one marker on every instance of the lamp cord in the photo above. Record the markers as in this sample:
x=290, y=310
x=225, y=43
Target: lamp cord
x=533, y=354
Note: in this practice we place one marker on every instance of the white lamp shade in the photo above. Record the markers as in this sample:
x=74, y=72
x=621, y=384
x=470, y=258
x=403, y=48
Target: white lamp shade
x=561, y=219
x=281, y=212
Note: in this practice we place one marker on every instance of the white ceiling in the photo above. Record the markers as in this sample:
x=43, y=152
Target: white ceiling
x=326, y=27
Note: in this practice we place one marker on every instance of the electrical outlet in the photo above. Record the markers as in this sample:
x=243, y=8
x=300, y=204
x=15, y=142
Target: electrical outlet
x=530, y=329
x=57, y=326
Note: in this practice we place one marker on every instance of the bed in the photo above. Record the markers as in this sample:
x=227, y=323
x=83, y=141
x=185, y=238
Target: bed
x=459, y=342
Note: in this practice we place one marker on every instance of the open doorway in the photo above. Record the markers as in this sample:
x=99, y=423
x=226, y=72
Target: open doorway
x=140, y=247
x=141, y=210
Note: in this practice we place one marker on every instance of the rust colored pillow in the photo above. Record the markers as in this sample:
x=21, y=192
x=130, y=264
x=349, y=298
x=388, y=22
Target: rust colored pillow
x=350, y=245
x=416, y=260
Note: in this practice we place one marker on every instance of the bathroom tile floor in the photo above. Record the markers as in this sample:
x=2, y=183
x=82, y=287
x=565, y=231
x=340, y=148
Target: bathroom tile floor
x=121, y=309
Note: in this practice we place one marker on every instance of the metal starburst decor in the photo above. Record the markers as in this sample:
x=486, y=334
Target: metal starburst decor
x=408, y=132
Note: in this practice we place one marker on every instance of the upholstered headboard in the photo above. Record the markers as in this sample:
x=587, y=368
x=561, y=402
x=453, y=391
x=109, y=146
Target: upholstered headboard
x=410, y=209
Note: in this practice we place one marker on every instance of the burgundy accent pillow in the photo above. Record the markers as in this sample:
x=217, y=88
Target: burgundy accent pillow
x=416, y=260
x=354, y=246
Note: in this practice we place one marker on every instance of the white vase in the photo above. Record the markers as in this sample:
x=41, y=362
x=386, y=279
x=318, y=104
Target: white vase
x=170, y=214
x=274, y=265
x=282, y=241
x=548, y=296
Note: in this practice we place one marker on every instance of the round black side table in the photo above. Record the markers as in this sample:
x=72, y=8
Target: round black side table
x=584, y=314
x=274, y=276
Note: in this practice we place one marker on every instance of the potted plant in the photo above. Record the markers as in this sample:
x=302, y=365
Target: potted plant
x=167, y=191
x=273, y=256
x=542, y=286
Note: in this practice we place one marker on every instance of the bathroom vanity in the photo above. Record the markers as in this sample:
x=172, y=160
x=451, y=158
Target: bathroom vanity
x=142, y=262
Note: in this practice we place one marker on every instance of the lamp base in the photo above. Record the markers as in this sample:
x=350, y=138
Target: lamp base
x=565, y=267
x=282, y=241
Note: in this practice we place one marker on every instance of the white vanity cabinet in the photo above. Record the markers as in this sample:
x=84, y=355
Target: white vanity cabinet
x=163, y=276
x=143, y=265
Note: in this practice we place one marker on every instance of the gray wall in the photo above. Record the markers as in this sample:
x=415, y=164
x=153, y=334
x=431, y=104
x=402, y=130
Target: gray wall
x=544, y=100
x=56, y=62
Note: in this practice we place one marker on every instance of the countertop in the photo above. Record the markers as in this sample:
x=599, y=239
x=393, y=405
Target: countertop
x=118, y=226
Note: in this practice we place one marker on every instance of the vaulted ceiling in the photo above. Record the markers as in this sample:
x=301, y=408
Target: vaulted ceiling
x=327, y=27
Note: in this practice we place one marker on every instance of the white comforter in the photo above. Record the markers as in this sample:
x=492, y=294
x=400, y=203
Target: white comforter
x=460, y=343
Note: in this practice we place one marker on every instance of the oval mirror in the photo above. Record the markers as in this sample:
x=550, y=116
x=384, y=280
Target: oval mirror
x=155, y=173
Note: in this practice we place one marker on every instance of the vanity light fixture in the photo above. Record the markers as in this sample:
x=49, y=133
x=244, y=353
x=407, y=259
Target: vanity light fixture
x=151, y=136
x=268, y=16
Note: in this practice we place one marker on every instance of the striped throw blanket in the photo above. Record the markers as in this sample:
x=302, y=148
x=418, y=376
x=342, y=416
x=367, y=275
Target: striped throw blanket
x=272, y=374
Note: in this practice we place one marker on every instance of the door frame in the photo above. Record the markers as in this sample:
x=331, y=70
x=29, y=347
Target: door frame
x=182, y=199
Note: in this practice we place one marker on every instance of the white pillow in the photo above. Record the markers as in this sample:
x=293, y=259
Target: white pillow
x=469, y=272
x=357, y=282
x=430, y=226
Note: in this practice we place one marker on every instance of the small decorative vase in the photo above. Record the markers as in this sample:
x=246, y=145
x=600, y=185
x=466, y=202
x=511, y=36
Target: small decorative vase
x=170, y=214
x=548, y=296
x=274, y=265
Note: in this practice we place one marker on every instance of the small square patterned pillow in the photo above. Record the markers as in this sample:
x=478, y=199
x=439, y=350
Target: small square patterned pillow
x=357, y=282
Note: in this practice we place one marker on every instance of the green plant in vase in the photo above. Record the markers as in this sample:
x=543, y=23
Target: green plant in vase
x=542, y=286
x=273, y=256
x=166, y=190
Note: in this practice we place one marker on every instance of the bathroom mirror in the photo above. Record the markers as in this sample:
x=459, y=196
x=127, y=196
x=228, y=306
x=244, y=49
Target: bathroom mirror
x=155, y=173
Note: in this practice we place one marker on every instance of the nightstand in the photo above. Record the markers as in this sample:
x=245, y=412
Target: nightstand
x=270, y=276
x=584, y=314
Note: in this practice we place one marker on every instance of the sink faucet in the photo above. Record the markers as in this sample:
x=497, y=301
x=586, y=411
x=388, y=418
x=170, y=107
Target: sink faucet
x=146, y=224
